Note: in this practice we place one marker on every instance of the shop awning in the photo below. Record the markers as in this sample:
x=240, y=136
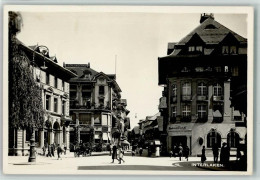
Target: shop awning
x=236, y=113
x=125, y=142
x=217, y=114
x=105, y=137
x=97, y=136
x=157, y=142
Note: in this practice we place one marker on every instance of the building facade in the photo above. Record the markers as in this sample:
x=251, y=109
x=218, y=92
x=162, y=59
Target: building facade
x=53, y=81
x=199, y=75
x=96, y=107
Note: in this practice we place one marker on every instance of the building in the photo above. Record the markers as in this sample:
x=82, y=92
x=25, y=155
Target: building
x=200, y=74
x=53, y=80
x=96, y=107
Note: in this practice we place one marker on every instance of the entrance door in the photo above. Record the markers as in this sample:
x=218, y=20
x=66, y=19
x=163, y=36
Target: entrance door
x=177, y=140
x=85, y=137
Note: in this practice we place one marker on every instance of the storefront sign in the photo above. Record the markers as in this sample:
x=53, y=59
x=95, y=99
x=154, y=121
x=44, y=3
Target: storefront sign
x=179, y=129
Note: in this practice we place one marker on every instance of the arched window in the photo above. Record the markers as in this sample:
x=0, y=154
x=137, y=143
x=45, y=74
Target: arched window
x=217, y=90
x=186, y=89
x=233, y=139
x=174, y=90
x=202, y=89
x=213, y=137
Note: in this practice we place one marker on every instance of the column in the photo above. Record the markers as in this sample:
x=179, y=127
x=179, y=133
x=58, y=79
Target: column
x=77, y=127
x=227, y=103
x=68, y=138
x=41, y=138
x=210, y=104
x=51, y=136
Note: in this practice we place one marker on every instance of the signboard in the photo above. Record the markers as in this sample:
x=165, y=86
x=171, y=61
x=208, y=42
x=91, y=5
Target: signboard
x=179, y=130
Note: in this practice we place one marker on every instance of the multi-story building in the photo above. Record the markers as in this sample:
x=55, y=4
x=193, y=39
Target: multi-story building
x=96, y=106
x=53, y=80
x=199, y=75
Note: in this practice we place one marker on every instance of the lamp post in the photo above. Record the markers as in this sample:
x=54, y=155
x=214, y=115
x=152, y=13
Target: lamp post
x=32, y=157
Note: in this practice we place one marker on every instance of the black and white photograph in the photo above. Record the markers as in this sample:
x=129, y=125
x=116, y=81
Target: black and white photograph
x=138, y=90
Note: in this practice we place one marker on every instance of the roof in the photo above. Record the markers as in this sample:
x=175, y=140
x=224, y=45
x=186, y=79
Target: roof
x=154, y=117
x=211, y=35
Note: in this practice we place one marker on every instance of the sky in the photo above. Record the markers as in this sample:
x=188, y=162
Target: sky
x=135, y=40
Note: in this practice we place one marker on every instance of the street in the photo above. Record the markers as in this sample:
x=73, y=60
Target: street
x=102, y=161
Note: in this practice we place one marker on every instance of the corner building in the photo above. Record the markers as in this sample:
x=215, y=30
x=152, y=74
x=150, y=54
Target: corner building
x=199, y=74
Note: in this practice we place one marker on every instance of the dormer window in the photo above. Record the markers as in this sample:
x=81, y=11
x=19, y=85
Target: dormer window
x=229, y=50
x=191, y=48
x=199, y=48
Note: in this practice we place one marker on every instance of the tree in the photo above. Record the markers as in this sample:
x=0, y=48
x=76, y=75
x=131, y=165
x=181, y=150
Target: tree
x=25, y=101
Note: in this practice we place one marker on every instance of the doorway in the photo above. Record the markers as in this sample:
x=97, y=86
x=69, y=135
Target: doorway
x=177, y=140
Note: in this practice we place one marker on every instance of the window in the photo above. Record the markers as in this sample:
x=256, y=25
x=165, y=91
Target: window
x=199, y=48
x=63, y=107
x=174, y=111
x=47, y=103
x=85, y=118
x=202, y=89
x=27, y=135
x=55, y=103
x=233, y=139
x=225, y=50
x=63, y=86
x=217, y=90
x=218, y=69
x=186, y=111
x=47, y=78
x=233, y=50
x=199, y=69
x=213, y=137
x=101, y=90
x=186, y=89
x=191, y=48
x=174, y=90
x=101, y=102
x=235, y=71
x=97, y=119
x=55, y=82
x=202, y=112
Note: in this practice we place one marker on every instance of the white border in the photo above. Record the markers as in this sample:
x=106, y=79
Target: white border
x=148, y=9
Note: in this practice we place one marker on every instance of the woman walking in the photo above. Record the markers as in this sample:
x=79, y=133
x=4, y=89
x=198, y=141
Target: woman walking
x=203, y=155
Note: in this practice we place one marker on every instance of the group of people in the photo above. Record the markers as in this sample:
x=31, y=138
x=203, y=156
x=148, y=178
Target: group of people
x=179, y=151
x=224, y=153
x=117, y=153
x=51, y=148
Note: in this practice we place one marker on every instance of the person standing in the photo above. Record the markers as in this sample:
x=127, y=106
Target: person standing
x=215, y=152
x=141, y=151
x=59, y=151
x=180, y=151
x=171, y=153
x=52, y=150
x=65, y=149
x=43, y=150
x=114, y=155
x=175, y=152
x=121, y=155
x=186, y=152
x=203, y=155
x=49, y=151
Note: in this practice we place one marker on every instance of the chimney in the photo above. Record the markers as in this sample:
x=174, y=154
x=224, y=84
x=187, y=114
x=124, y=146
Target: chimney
x=205, y=16
x=88, y=65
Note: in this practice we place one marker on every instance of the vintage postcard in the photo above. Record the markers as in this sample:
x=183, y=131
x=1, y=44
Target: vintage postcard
x=144, y=90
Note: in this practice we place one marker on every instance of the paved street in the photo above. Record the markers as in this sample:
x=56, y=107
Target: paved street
x=102, y=161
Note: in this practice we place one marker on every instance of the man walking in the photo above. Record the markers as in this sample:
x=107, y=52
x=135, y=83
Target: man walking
x=180, y=151
x=59, y=151
x=114, y=155
x=215, y=152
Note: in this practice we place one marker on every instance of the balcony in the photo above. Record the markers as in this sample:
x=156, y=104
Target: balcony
x=186, y=97
x=202, y=98
x=217, y=98
x=186, y=119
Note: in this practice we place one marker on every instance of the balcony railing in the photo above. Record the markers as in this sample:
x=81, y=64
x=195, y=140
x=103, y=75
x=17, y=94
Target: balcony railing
x=186, y=119
x=202, y=98
x=186, y=97
x=217, y=98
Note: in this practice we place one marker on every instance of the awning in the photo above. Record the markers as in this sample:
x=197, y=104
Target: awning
x=125, y=142
x=105, y=137
x=157, y=142
x=217, y=114
x=97, y=136
x=236, y=113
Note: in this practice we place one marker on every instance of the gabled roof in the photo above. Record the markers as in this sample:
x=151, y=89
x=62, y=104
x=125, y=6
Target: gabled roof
x=83, y=71
x=209, y=34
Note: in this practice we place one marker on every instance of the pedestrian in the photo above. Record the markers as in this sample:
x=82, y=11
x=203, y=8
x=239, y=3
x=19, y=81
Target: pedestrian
x=171, y=153
x=203, y=155
x=52, y=150
x=43, y=150
x=121, y=155
x=133, y=151
x=180, y=151
x=186, y=152
x=65, y=149
x=224, y=154
x=141, y=151
x=110, y=149
x=175, y=152
x=114, y=155
x=215, y=152
x=49, y=151
x=59, y=151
